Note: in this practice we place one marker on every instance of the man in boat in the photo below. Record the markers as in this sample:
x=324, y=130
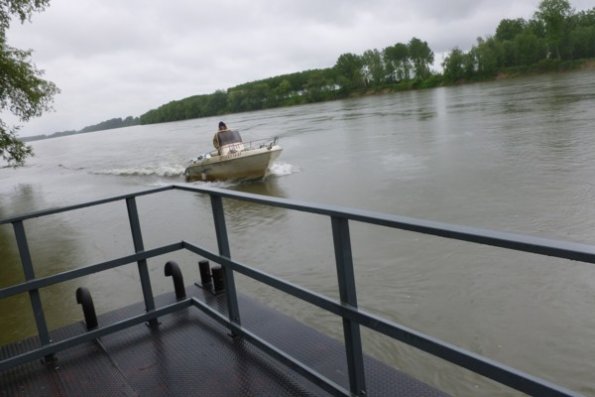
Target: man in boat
x=226, y=140
x=222, y=127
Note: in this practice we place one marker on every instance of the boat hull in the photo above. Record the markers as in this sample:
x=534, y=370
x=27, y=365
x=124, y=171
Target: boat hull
x=247, y=164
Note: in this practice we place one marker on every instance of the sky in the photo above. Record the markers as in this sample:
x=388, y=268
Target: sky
x=119, y=58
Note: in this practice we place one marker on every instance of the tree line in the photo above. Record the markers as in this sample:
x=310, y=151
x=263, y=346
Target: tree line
x=405, y=65
x=552, y=39
x=556, y=34
x=110, y=124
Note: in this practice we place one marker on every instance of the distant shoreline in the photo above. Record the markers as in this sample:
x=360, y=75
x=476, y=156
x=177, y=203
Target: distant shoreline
x=103, y=126
x=553, y=67
x=571, y=66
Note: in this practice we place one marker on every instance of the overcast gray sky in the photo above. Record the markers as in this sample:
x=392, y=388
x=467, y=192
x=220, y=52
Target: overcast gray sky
x=115, y=58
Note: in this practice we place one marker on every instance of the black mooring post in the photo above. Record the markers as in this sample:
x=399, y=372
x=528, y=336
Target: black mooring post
x=218, y=279
x=172, y=269
x=205, y=273
x=83, y=297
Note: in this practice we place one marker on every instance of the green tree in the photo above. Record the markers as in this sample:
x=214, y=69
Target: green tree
x=585, y=18
x=508, y=28
x=216, y=103
x=536, y=27
x=374, y=67
x=471, y=63
x=554, y=15
x=283, y=91
x=529, y=49
x=582, y=42
x=256, y=96
x=235, y=98
x=454, y=65
x=396, y=58
x=508, y=53
x=488, y=55
x=422, y=57
x=349, y=72
x=22, y=90
x=315, y=88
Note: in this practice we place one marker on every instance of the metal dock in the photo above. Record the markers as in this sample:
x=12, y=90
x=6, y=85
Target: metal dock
x=190, y=354
x=212, y=340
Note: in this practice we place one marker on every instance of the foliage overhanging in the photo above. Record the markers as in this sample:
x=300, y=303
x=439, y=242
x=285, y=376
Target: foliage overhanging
x=22, y=90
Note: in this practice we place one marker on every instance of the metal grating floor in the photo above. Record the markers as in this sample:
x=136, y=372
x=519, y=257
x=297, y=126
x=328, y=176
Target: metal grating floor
x=190, y=354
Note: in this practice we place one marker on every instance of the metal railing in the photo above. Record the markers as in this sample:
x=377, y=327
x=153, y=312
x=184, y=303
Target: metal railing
x=346, y=308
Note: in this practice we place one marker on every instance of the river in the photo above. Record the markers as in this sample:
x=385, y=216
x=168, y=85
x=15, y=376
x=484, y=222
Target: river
x=514, y=155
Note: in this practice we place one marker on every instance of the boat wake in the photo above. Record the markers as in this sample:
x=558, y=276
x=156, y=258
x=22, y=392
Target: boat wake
x=282, y=169
x=164, y=171
x=174, y=171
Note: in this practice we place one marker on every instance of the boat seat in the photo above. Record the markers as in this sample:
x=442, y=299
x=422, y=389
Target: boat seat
x=232, y=148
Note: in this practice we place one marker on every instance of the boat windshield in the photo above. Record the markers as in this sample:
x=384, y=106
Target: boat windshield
x=229, y=137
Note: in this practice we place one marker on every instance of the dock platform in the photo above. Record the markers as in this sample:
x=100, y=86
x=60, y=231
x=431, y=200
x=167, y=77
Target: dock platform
x=190, y=354
x=198, y=343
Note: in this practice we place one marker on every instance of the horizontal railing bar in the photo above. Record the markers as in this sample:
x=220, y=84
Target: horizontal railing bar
x=52, y=211
x=466, y=359
x=518, y=242
x=214, y=314
x=56, y=347
x=272, y=281
x=87, y=270
x=478, y=364
x=307, y=372
x=491, y=369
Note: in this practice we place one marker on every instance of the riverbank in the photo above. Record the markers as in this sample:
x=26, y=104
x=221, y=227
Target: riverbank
x=437, y=80
x=434, y=81
x=550, y=66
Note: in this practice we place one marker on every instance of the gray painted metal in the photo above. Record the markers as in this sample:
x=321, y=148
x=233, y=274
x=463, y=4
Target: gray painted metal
x=518, y=242
x=27, y=263
x=143, y=269
x=223, y=244
x=85, y=271
x=55, y=347
x=192, y=355
x=278, y=354
x=466, y=359
x=348, y=296
x=346, y=309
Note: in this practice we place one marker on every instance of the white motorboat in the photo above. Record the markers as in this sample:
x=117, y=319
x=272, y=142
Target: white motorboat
x=234, y=160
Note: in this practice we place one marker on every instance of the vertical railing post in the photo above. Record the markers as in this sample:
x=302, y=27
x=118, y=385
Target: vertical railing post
x=347, y=293
x=223, y=244
x=143, y=269
x=27, y=263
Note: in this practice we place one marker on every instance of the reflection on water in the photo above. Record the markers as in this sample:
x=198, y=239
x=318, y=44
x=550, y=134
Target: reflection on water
x=11, y=271
x=267, y=187
x=245, y=219
x=49, y=252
